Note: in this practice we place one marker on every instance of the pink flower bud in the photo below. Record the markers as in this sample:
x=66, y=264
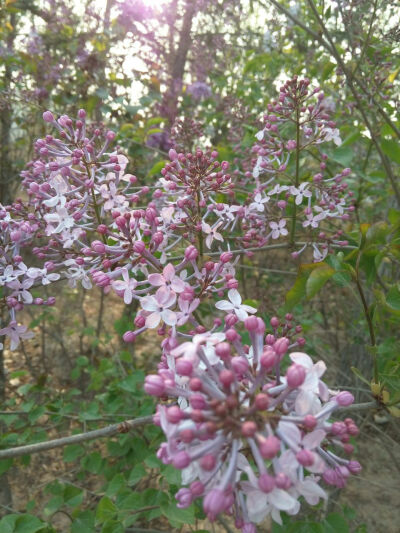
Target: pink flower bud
x=174, y=414
x=310, y=422
x=305, y=457
x=266, y=483
x=181, y=460
x=231, y=335
x=195, y=384
x=98, y=247
x=191, y=253
x=129, y=336
x=197, y=401
x=139, y=247
x=208, y=462
x=48, y=116
x=223, y=350
x=226, y=377
x=225, y=257
x=261, y=401
x=184, y=367
x=344, y=398
x=268, y=359
x=274, y=322
x=354, y=467
x=154, y=385
x=281, y=346
x=295, y=375
x=197, y=488
x=173, y=154
x=269, y=447
x=251, y=323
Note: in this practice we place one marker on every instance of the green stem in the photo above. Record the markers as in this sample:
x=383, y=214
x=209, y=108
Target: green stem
x=368, y=318
x=293, y=229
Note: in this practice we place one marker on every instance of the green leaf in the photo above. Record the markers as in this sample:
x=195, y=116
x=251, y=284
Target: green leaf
x=351, y=138
x=5, y=464
x=156, y=169
x=106, y=510
x=298, y=291
x=335, y=523
x=115, y=484
x=359, y=375
x=137, y=473
x=72, y=452
x=317, y=279
x=343, y=155
x=391, y=149
x=393, y=298
x=73, y=496
x=28, y=524
x=178, y=516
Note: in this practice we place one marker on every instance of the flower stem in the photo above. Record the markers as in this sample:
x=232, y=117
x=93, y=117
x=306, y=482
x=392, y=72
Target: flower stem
x=293, y=229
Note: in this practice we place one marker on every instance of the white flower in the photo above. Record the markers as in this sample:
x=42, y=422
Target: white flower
x=259, y=202
x=235, y=305
x=127, y=286
x=278, y=229
x=330, y=134
x=211, y=233
x=300, y=192
x=62, y=219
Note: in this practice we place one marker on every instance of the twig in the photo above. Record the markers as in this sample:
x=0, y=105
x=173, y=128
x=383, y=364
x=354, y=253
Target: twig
x=359, y=406
x=108, y=431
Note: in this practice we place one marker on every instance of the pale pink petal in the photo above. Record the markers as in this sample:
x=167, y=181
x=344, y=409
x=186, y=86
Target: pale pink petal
x=313, y=439
x=169, y=317
x=302, y=359
x=153, y=320
x=149, y=303
x=157, y=280
x=304, y=402
x=224, y=305
x=169, y=272
x=281, y=499
x=234, y=297
x=241, y=313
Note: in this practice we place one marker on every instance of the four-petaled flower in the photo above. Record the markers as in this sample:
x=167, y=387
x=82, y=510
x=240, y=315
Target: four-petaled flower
x=158, y=307
x=235, y=305
x=278, y=228
x=167, y=279
x=211, y=233
x=127, y=286
x=16, y=333
x=301, y=192
x=259, y=202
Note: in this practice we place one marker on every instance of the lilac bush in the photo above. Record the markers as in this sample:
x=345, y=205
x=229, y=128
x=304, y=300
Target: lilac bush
x=249, y=425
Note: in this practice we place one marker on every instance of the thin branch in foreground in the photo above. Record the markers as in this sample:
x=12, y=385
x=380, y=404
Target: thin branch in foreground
x=108, y=431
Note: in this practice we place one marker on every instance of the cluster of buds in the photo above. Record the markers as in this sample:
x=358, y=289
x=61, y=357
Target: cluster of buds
x=250, y=437
x=236, y=406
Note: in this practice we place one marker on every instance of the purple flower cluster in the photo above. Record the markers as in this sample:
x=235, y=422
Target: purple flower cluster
x=250, y=438
x=250, y=434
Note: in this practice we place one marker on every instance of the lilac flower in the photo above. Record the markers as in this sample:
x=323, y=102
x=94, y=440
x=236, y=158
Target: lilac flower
x=61, y=219
x=167, y=279
x=20, y=289
x=127, y=286
x=301, y=192
x=236, y=402
x=235, y=305
x=212, y=233
x=158, y=307
x=186, y=310
x=259, y=202
x=278, y=228
x=16, y=332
